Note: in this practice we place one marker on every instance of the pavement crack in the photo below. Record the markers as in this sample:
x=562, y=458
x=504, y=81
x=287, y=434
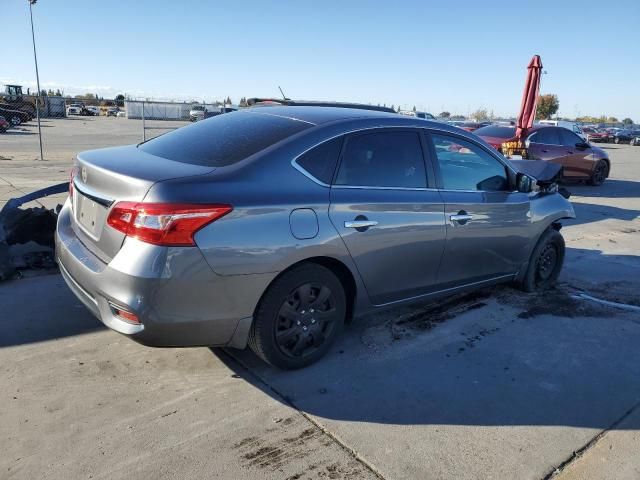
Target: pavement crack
x=287, y=400
x=555, y=471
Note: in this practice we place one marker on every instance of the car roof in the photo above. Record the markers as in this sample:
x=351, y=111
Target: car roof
x=318, y=115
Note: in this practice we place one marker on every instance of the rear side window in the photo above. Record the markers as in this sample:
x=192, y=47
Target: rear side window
x=383, y=159
x=223, y=139
x=321, y=161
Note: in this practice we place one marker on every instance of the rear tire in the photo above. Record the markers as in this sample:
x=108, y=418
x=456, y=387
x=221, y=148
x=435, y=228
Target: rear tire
x=299, y=317
x=599, y=174
x=545, y=263
x=15, y=120
x=616, y=141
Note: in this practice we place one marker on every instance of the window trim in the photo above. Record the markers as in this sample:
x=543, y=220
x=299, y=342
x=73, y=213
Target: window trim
x=551, y=129
x=372, y=130
x=309, y=175
x=428, y=152
x=436, y=165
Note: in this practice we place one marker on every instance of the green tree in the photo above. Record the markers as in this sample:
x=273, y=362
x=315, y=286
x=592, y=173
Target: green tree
x=120, y=100
x=480, y=114
x=548, y=106
x=612, y=120
x=58, y=93
x=414, y=109
x=444, y=115
x=393, y=107
x=627, y=121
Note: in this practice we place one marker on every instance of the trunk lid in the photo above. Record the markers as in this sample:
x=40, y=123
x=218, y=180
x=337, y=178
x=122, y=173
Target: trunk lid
x=112, y=175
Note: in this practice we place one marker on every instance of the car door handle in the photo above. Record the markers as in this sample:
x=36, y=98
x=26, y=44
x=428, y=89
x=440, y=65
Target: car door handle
x=545, y=151
x=357, y=224
x=461, y=218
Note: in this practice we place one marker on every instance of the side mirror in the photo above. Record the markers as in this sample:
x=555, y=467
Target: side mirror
x=525, y=183
x=582, y=145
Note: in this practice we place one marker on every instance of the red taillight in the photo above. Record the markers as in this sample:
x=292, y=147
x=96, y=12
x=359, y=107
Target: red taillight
x=171, y=224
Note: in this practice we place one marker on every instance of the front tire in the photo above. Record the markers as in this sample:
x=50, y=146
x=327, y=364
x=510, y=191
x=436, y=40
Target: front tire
x=545, y=263
x=15, y=120
x=299, y=317
x=599, y=174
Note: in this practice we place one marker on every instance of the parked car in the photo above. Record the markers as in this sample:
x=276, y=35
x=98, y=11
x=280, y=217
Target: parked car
x=273, y=230
x=596, y=135
x=93, y=110
x=197, y=113
x=74, y=109
x=14, y=116
x=423, y=115
x=625, y=136
x=579, y=159
x=112, y=112
x=121, y=114
x=4, y=125
x=573, y=126
x=635, y=140
x=472, y=126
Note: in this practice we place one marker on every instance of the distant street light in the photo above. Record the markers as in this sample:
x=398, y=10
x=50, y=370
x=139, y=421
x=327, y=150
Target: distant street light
x=35, y=59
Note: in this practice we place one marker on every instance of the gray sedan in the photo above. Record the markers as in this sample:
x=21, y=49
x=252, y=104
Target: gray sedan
x=275, y=225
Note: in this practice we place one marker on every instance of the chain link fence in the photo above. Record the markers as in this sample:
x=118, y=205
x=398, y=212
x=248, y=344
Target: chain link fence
x=68, y=125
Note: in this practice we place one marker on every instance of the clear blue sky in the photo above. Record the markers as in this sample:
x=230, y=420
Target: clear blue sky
x=455, y=55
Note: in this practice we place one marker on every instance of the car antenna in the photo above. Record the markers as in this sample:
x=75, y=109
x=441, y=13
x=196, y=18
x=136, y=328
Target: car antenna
x=283, y=95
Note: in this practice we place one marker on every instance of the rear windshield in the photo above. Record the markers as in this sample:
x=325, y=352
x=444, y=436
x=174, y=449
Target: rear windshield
x=496, y=131
x=223, y=139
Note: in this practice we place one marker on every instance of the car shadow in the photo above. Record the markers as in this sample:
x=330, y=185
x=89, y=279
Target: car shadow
x=13, y=131
x=611, y=188
x=41, y=308
x=590, y=212
x=514, y=359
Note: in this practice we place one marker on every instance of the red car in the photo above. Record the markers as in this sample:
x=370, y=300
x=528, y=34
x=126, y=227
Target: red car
x=473, y=126
x=580, y=160
x=596, y=136
x=4, y=125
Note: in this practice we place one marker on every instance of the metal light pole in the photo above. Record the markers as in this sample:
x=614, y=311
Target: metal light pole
x=35, y=59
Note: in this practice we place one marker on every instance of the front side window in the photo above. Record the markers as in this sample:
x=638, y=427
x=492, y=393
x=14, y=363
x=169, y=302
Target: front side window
x=547, y=136
x=383, y=159
x=466, y=166
x=568, y=138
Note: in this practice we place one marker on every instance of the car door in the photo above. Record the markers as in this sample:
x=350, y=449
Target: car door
x=390, y=219
x=578, y=160
x=487, y=222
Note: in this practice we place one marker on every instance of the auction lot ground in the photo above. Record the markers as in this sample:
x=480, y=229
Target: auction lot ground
x=497, y=385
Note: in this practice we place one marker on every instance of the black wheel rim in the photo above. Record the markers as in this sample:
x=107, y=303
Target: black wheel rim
x=547, y=262
x=599, y=173
x=305, y=320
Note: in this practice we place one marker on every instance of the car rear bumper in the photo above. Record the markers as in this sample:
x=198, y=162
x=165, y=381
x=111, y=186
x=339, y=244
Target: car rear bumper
x=174, y=293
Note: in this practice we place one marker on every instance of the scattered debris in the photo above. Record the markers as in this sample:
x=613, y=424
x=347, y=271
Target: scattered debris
x=557, y=301
x=27, y=235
